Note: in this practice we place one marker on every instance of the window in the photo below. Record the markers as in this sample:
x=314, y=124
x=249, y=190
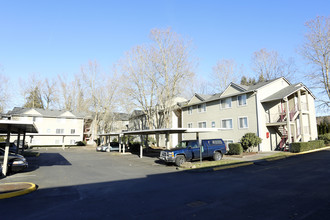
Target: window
x=73, y=131
x=225, y=103
x=202, y=124
x=190, y=109
x=202, y=108
x=227, y=123
x=59, y=131
x=243, y=122
x=216, y=142
x=241, y=100
x=190, y=125
x=213, y=124
x=227, y=142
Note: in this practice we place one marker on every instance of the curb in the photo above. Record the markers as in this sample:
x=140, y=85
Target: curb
x=233, y=166
x=241, y=164
x=30, y=189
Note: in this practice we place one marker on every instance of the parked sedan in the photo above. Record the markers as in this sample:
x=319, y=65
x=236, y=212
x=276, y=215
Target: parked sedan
x=16, y=162
x=12, y=146
x=113, y=146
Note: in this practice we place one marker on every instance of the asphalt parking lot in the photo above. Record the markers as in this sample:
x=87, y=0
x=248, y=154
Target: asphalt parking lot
x=57, y=167
x=84, y=184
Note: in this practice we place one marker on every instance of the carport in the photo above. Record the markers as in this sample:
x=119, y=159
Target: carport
x=118, y=135
x=54, y=135
x=14, y=127
x=167, y=132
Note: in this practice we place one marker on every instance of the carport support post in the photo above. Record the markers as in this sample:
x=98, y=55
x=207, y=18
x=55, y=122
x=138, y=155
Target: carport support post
x=18, y=141
x=5, y=159
x=119, y=143
x=23, y=145
x=141, y=151
x=167, y=140
x=63, y=145
x=200, y=147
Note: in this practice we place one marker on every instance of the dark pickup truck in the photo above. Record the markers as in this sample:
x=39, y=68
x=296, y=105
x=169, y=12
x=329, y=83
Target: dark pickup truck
x=190, y=150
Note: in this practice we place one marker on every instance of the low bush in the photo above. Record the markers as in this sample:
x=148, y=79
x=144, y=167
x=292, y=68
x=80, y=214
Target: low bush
x=134, y=147
x=235, y=149
x=81, y=143
x=306, y=146
x=325, y=138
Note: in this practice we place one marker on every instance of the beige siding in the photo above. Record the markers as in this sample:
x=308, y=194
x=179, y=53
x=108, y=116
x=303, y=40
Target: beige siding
x=215, y=113
x=47, y=125
x=231, y=91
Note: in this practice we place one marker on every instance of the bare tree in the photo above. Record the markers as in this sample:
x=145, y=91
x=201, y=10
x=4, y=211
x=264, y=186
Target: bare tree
x=101, y=94
x=49, y=92
x=4, y=95
x=224, y=72
x=172, y=61
x=140, y=81
x=316, y=50
x=155, y=74
x=271, y=65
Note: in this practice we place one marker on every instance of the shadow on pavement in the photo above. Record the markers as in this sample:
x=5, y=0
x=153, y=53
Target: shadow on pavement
x=245, y=193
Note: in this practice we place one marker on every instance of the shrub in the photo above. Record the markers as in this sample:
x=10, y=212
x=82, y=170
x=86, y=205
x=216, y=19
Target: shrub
x=135, y=146
x=325, y=138
x=235, y=149
x=81, y=143
x=250, y=140
x=306, y=146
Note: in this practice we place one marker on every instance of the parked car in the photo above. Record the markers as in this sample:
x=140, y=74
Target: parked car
x=114, y=146
x=16, y=162
x=12, y=146
x=190, y=150
x=26, y=145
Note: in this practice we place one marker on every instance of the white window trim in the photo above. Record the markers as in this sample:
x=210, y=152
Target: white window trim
x=201, y=108
x=247, y=119
x=231, y=124
x=238, y=105
x=231, y=103
x=212, y=124
x=202, y=122
x=190, y=112
x=226, y=142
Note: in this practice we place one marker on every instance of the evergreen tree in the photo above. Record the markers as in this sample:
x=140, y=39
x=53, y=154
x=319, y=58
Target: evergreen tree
x=34, y=99
x=261, y=78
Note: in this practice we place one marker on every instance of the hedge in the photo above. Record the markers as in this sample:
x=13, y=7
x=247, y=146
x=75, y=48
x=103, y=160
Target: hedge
x=325, y=137
x=235, y=149
x=305, y=146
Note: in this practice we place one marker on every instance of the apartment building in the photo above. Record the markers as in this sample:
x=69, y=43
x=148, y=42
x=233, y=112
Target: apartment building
x=277, y=111
x=56, y=127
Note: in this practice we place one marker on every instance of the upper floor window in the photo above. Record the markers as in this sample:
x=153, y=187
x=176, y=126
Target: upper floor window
x=202, y=108
x=225, y=103
x=190, y=125
x=241, y=100
x=243, y=122
x=190, y=109
x=202, y=124
x=227, y=123
x=213, y=124
x=59, y=131
x=73, y=131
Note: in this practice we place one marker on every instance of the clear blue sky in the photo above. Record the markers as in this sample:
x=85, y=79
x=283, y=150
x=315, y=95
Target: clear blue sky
x=55, y=37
